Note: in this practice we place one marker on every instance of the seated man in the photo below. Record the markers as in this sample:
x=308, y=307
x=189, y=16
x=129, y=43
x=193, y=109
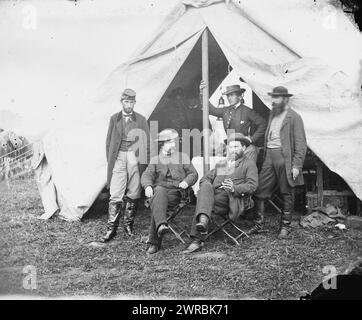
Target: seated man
x=166, y=174
x=222, y=188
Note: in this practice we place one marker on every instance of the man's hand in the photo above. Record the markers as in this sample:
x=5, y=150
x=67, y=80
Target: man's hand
x=295, y=173
x=183, y=185
x=228, y=184
x=149, y=192
x=203, y=85
x=247, y=137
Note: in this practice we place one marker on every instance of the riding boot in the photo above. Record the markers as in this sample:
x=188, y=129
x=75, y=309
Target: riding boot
x=129, y=215
x=285, y=224
x=259, y=220
x=114, y=213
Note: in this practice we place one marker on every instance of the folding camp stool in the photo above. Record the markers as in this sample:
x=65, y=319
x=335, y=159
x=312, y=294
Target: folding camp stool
x=228, y=222
x=176, y=229
x=275, y=198
x=222, y=227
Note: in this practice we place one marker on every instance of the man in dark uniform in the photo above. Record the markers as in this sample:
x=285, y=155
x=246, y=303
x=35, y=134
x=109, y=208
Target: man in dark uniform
x=240, y=118
x=221, y=189
x=284, y=152
x=166, y=174
x=123, y=178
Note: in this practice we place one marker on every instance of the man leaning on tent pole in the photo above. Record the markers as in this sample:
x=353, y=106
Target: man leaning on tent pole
x=239, y=118
x=123, y=175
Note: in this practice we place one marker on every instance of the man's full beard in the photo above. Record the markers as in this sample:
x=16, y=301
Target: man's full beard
x=235, y=156
x=277, y=109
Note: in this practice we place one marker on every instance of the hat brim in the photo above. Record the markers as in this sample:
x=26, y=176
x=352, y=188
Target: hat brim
x=244, y=140
x=279, y=94
x=242, y=90
x=172, y=137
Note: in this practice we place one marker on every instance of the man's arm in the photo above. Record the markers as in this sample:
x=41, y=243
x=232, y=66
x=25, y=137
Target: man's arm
x=217, y=112
x=251, y=182
x=108, y=139
x=258, y=121
x=213, y=111
x=300, y=143
x=148, y=176
x=191, y=174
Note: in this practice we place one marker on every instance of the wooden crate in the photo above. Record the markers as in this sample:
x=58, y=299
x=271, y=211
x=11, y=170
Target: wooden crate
x=332, y=197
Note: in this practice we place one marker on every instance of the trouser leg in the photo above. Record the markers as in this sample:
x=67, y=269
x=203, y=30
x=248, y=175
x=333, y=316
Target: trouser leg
x=286, y=190
x=133, y=192
x=204, y=205
x=118, y=183
x=267, y=185
x=117, y=188
x=134, y=180
x=162, y=200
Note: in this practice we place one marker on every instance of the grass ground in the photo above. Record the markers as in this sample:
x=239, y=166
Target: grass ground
x=68, y=262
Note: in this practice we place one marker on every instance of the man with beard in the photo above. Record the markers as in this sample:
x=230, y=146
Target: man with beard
x=284, y=152
x=222, y=187
x=240, y=118
x=165, y=176
x=123, y=175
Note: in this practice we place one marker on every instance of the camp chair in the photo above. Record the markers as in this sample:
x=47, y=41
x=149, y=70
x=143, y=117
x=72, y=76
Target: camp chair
x=273, y=202
x=240, y=234
x=176, y=229
x=172, y=213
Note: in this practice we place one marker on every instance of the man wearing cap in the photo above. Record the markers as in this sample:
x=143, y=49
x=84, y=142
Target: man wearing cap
x=284, y=152
x=127, y=138
x=240, y=118
x=222, y=188
x=165, y=176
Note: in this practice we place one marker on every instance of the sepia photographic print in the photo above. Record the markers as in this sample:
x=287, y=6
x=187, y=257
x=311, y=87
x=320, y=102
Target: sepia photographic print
x=203, y=152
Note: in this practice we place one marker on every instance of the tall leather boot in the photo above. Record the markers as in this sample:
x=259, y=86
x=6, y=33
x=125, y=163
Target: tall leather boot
x=285, y=228
x=259, y=220
x=129, y=216
x=114, y=213
x=285, y=225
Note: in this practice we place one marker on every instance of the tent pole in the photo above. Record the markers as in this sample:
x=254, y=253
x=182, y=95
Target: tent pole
x=205, y=98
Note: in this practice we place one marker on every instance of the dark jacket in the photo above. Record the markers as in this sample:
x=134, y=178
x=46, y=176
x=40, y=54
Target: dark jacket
x=294, y=144
x=179, y=165
x=244, y=177
x=114, y=137
x=243, y=119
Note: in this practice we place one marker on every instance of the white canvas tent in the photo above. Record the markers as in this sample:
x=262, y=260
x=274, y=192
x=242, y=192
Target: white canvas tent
x=309, y=46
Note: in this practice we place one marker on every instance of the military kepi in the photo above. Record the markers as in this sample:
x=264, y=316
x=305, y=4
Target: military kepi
x=128, y=94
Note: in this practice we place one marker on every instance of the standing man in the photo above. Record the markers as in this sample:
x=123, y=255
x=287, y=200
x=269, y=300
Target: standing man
x=165, y=176
x=222, y=188
x=123, y=174
x=240, y=118
x=285, y=147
